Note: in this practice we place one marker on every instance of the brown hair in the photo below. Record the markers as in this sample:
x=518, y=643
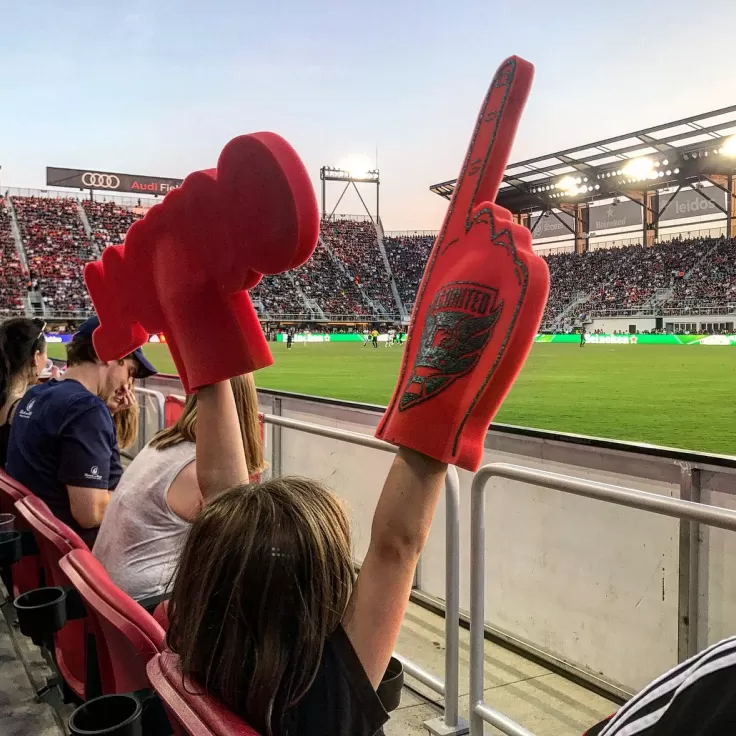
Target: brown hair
x=246, y=401
x=264, y=578
x=81, y=349
x=126, y=424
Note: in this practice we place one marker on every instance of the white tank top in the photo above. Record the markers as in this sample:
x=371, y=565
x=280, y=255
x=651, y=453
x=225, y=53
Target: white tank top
x=141, y=537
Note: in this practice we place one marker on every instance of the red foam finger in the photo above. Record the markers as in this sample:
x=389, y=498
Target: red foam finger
x=477, y=311
x=490, y=146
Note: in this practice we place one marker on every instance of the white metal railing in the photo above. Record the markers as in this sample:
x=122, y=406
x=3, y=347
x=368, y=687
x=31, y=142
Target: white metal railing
x=622, y=496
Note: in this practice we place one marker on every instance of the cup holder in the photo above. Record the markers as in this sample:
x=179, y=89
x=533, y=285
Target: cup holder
x=11, y=548
x=109, y=715
x=41, y=612
x=389, y=690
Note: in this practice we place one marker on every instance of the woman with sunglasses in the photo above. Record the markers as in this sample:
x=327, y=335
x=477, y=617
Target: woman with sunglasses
x=22, y=359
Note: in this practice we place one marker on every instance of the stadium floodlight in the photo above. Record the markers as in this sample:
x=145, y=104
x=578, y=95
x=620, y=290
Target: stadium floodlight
x=639, y=168
x=729, y=147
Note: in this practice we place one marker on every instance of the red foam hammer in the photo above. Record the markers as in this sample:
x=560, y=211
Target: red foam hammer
x=185, y=268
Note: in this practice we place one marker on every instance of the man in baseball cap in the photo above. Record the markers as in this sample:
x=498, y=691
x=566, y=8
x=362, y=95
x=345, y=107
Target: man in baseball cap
x=63, y=445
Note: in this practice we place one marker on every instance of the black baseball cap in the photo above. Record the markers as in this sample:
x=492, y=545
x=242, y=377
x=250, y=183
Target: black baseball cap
x=144, y=371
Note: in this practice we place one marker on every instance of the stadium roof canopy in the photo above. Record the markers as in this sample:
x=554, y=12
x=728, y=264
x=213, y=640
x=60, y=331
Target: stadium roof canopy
x=677, y=154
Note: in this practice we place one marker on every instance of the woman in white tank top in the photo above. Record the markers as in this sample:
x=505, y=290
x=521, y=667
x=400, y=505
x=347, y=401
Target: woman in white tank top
x=151, y=510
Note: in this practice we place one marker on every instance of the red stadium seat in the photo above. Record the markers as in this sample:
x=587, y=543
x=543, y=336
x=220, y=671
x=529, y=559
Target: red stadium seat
x=55, y=540
x=126, y=635
x=199, y=714
x=173, y=408
x=26, y=572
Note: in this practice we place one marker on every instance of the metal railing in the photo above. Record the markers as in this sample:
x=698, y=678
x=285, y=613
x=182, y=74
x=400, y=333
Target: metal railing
x=687, y=511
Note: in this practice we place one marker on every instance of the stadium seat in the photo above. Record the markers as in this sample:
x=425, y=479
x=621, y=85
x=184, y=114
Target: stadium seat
x=199, y=714
x=26, y=573
x=55, y=540
x=173, y=408
x=126, y=635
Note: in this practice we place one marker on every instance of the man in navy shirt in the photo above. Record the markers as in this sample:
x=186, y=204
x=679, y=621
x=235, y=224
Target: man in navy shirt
x=63, y=445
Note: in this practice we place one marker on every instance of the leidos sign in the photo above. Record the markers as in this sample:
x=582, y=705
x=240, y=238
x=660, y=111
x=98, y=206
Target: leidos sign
x=109, y=182
x=688, y=203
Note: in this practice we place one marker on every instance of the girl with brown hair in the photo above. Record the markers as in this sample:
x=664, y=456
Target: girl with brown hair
x=161, y=491
x=22, y=359
x=266, y=612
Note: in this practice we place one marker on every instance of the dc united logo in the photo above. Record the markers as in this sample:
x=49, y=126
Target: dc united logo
x=458, y=326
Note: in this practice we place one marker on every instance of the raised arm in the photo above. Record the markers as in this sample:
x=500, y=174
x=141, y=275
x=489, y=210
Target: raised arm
x=400, y=528
x=221, y=460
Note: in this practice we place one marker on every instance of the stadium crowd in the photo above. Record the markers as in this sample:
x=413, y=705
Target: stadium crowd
x=712, y=281
x=11, y=272
x=320, y=279
x=277, y=295
x=615, y=280
x=108, y=221
x=407, y=256
x=685, y=274
x=355, y=244
x=57, y=248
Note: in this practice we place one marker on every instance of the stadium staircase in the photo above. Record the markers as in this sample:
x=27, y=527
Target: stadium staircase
x=376, y=307
x=392, y=282
x=311, y=304
x=31, y=305
x=88, y=229
x=559, y=320
x=662, y=296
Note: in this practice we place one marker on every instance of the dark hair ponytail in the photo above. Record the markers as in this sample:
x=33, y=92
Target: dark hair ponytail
x=20, y=338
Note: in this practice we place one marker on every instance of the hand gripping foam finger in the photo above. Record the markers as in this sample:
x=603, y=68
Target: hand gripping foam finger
x=480, y=301
x=185, y=268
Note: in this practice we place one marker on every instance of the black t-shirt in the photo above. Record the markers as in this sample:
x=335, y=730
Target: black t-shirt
x=63, y=435
x=341, y=701
x=696, y=698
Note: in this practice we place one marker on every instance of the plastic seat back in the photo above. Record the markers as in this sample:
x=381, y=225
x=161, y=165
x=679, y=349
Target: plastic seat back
x=26, y=572
x=55, y=540
x=126, y=635
x=198, y=714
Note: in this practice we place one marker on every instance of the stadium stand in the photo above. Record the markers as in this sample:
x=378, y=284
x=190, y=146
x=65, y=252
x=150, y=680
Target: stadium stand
x=109, y=222
x=277, y=295
x=11, y=271
x=407, y=256
x=57, y=248
x=347, y=270
x=619, y=280
x=355, y=244
x=712, y=282
x=322, y=280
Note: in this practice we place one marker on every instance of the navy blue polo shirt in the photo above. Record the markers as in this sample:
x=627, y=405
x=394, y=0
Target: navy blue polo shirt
x=63, y=435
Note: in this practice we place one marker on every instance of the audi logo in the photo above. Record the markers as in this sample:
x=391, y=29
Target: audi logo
x=100, y=181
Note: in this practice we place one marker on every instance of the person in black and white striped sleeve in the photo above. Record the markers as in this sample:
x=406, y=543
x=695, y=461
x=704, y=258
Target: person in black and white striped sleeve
x=696, y=698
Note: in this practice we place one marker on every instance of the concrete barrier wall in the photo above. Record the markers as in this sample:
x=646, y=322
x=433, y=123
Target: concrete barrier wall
x=589, y=584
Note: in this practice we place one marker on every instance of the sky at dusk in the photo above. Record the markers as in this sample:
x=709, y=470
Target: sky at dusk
x=158, y=87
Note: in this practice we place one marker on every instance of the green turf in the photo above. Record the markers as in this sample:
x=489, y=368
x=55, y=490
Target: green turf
x=681, y=396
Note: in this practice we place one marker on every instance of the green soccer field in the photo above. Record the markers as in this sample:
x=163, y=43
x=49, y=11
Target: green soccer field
x=680, y=396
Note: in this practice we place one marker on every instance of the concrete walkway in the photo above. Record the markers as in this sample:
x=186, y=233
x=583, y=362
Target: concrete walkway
x=545, y=703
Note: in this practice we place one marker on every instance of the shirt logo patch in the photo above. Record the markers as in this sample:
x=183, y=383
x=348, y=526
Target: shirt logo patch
x=27, y=411
x=94, y=473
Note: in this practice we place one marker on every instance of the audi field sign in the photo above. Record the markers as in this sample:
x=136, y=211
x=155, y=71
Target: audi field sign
x=109, y=182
